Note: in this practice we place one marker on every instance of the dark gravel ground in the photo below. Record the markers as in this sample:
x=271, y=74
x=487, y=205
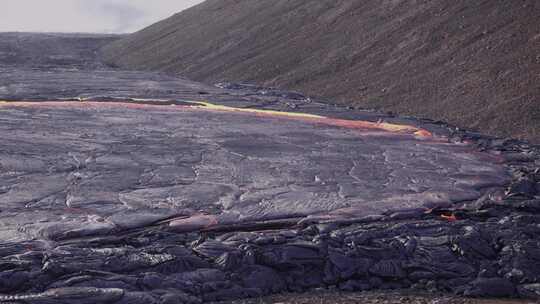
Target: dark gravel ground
x=474, y=64
x=371, y=297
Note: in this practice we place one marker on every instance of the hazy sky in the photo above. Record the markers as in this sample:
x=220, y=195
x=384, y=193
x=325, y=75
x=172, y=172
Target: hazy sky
x=104, y=16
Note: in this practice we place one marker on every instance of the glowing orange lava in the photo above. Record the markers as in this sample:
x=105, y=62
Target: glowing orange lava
x=450, y=218
x=345, y=123
x=206, y=106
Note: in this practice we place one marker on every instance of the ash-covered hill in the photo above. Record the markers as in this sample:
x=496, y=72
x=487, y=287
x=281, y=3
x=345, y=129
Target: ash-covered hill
x=475, y=63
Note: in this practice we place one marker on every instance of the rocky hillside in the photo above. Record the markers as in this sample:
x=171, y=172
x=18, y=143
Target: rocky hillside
x=474, y=63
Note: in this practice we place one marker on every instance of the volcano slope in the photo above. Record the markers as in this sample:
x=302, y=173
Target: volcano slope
x=474, y=64
x=126, y=187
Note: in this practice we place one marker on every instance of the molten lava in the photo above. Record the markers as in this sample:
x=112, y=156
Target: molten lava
x=206, y=106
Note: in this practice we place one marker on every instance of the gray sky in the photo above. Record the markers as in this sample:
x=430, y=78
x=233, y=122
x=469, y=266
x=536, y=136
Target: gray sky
x=103, y=16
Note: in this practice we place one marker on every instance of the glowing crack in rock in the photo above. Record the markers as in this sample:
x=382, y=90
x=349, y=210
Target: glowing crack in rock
x=201, y=105
x=321, y=119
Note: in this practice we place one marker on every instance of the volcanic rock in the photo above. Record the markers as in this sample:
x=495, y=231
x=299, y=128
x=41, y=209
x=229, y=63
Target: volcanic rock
x=124, y=199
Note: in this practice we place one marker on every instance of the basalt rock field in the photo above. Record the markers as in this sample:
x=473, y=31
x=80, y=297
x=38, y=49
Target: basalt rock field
x=124, y=186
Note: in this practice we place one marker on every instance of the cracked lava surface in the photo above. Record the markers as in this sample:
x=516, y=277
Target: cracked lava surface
x=73, y=169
